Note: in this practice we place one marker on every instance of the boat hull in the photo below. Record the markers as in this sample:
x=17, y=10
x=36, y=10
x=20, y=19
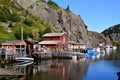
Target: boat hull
x=22, y=59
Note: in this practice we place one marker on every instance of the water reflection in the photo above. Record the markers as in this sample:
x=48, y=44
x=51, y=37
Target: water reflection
x=105, y=68
x=59, y=69
x=102, y=70
x=56, y=70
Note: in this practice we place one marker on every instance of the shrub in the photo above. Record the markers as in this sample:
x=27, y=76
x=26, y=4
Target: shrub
x=18, y=34
x=52, y=4
x=28, y=22
x=5, y=15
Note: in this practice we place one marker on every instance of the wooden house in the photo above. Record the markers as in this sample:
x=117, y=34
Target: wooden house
x=14, y=46
x=54, y=41
x=77, y=46
x=32, y=45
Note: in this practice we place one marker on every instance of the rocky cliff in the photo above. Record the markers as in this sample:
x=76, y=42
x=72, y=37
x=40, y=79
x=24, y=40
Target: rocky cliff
x=98, y=37
x=113, y=33
x=60, y=20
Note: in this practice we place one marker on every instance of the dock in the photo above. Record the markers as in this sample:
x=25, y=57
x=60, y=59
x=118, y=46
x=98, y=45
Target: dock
x=6, y=73
x=49, y=55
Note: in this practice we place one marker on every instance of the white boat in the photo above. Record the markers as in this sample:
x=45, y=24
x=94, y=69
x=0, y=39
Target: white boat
x=114, y=47
x=23, y=59
x=74, y=56
x=25, y=63
x=77, y=55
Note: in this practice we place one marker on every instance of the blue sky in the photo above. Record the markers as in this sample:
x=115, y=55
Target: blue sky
x=98, y=15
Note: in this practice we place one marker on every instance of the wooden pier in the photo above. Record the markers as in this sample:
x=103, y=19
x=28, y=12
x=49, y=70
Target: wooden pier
x=6, y=73
x=48, y=55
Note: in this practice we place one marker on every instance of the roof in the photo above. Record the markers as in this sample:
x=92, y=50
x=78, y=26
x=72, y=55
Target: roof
x=31, y=41
x=14, y=42
x=53, y=34
x=49, y=42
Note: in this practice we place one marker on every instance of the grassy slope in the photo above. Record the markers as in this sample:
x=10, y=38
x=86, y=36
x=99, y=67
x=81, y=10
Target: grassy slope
x=17, y=18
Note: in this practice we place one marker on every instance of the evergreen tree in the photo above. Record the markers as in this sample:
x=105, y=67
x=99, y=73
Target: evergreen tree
x=68, y=8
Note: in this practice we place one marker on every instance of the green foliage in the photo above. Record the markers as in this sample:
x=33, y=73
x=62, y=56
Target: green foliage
x=68, y=8
x=47, y=30
x=17, y=18
x=8, y=12
x=4, y=35
x=86, y=26
x=10, y=25
x=110, y=31
x=31, y=35
x=26, y=34
x=115, y=43
x=42, y=0
x=14, y=18
x=113, y=29
x=28, y=22
x=18, y=34
x=53, y=5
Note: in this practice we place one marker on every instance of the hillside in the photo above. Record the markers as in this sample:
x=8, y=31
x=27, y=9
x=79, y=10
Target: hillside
x=13, y=18
x=38, y=17
x=113, y=33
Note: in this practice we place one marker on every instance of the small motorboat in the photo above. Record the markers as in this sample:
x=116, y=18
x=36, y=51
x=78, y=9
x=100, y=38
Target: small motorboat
x=78, y=55
x=25, y=63
x=23, y=59
x=92, y=54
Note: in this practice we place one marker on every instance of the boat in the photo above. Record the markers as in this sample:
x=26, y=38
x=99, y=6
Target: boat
x=114, y=47
x=92, y=54
x=24, y=63
x=78, y=55
x=23, y=59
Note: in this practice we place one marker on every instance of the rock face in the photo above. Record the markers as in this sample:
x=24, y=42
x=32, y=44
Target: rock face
x=98, y=37
x=113, y=33
x=115, y=36
x=59, y=20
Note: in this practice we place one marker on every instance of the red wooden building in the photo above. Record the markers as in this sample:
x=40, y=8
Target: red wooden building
x=32, y=45
x=14, y=46
x=54, y=41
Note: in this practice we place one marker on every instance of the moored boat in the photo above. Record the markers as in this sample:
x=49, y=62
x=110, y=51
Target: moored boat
x=91, y=53
x=77, y=55
x=24, y=63
x=114, y=47
x=23, y=59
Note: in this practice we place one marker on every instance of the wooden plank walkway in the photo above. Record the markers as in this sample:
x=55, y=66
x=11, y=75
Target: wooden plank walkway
x=7, y=72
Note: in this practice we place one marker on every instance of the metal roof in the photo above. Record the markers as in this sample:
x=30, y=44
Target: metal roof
x=53, y=34
x=49, y=42
x=13, y=42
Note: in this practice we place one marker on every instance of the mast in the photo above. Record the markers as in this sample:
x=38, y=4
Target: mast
x=21, y=40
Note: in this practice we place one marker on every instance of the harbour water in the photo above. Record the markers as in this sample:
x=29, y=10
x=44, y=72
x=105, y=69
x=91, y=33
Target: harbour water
x=104, y=68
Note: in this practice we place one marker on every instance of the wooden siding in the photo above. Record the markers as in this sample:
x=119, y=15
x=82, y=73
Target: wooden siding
x=61, y=37
x=51, y=46
x=51, y=38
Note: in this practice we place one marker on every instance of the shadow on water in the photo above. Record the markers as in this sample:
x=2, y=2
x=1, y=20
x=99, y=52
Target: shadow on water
x=118, y=74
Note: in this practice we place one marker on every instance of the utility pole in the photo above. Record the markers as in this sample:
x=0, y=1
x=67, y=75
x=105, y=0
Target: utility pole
x=21, y=40
x=22, y=34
